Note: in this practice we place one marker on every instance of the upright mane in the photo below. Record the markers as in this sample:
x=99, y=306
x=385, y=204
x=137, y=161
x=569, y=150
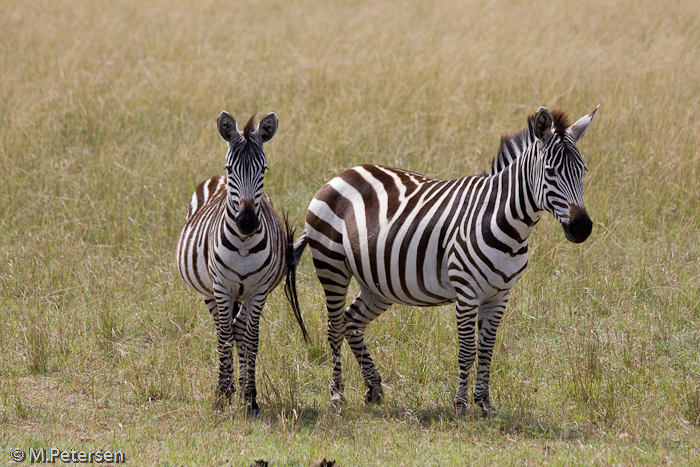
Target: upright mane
x=513, y=145
x=247, y=147
x=562, y=121
x=249, y=128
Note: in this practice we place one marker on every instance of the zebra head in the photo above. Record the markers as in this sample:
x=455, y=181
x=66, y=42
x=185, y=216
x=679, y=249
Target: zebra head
x=245, y=166
x=558, y=171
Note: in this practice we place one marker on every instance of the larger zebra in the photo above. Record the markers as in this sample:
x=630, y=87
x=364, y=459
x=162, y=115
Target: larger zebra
x=234, y=250
x=421, y=241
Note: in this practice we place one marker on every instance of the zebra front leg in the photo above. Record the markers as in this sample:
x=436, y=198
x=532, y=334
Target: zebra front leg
x=490, y=315
x=359, y=314
x=250, y=341
x=222, y=313
x=239, y=328
x=467, y=310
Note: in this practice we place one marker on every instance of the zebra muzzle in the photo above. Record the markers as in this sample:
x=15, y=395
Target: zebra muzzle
x=579, y=226
x=246, y=220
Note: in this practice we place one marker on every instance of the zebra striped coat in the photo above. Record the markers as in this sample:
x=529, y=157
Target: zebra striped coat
x=415, y=240
x=234, y=251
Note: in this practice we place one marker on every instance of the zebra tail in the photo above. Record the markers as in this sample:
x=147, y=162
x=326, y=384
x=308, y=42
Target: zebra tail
x=294, y=251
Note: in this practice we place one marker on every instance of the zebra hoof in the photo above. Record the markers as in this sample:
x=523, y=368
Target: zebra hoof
x=487, y=409
x=223, y=398
x=226, y=389
x=220, y=403
x=337, y=398
x=252, y=409
x=374, y=395
x=461, y=408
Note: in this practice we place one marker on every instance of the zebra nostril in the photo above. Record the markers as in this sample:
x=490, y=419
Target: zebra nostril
x=581, y=228
x=246, y=220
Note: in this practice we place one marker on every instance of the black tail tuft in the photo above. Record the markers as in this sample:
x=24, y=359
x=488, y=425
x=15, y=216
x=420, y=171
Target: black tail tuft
x=294, y=252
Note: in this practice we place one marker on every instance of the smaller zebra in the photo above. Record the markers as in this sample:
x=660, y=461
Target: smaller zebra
x=234, y=250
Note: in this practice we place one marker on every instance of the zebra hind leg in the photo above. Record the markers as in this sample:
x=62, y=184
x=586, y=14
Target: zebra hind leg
x=331, y=269
x=359, y=314
x=335, y=304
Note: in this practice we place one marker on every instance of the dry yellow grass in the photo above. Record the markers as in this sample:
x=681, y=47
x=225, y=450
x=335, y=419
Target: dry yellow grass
x=107, y=123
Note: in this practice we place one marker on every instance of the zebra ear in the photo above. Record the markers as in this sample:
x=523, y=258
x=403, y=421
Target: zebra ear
x=543, y=125
x=579, y=128
x=227, y=126
x=267, y=127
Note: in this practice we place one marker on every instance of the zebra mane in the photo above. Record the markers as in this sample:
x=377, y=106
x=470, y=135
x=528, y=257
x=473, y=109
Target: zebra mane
x=562, y=120
x=249, y=127
x=513, y=145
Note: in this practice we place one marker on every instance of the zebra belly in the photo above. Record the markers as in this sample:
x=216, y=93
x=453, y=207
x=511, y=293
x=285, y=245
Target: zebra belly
x=397, y=276
x=488, y=282
x=437, y=288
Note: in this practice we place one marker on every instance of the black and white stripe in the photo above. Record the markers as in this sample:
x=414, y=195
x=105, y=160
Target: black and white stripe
x=234, y=250
x=416, y=240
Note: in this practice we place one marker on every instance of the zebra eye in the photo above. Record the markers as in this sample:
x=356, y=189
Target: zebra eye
x=550, y=171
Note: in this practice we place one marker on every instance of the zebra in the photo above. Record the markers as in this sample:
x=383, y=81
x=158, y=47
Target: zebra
x=415, y=240
x=234, y=250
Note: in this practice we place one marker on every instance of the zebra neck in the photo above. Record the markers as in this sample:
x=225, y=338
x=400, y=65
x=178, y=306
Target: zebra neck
x=517, y=207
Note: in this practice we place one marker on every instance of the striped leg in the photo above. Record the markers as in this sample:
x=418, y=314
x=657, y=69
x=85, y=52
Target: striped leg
x=467, y=309
x=332, y=271
x=249, y=352
x=335, y=304
x=363, y=310
x=490, y=315
x=222, y=321
x=239, y=327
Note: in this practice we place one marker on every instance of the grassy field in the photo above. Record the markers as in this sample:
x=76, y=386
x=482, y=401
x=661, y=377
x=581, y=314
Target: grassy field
x=107, y=123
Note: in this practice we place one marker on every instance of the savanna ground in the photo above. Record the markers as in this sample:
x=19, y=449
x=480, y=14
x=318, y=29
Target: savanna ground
x=107, y=123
